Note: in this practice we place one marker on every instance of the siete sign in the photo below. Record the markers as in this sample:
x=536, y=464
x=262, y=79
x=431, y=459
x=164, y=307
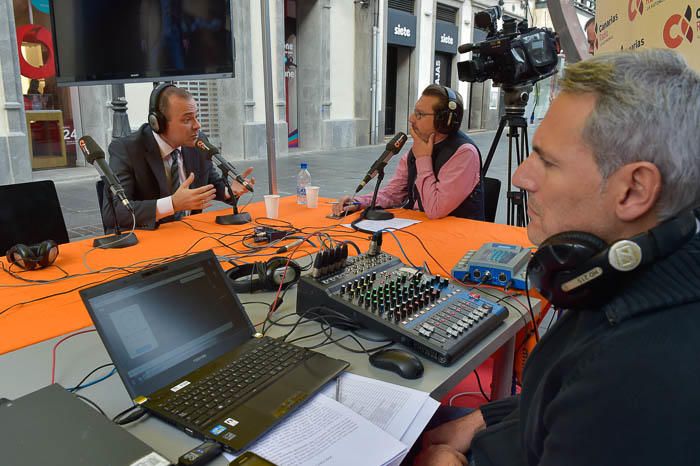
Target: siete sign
x=401, y=28
x=446, y=37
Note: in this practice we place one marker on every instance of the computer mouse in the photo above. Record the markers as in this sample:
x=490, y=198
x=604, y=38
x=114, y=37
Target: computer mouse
x=406, y=364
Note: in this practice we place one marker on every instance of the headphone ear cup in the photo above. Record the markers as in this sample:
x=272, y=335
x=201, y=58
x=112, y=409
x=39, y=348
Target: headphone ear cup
x=276, y=270
x=153, y=123
x=46, y=253
x=560, y=259
x=22, y=256
x=156, y=120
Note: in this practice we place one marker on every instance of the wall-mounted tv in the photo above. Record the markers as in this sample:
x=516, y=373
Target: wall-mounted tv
x=108, y=41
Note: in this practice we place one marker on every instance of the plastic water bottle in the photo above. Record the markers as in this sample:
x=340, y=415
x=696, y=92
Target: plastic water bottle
x=303, y=180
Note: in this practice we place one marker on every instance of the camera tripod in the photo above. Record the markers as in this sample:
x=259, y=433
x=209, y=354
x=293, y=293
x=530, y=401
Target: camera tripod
x=516, y=99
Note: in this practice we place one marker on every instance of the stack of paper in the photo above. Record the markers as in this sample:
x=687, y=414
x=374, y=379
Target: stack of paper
x=376, y=225
x=372, y=423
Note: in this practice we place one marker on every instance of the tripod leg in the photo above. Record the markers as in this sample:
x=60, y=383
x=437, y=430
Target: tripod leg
x=494, y=145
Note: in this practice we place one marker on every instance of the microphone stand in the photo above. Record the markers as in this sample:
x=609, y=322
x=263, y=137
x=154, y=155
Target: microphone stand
x=118, y=240
x=235, y=218
x=377, y=213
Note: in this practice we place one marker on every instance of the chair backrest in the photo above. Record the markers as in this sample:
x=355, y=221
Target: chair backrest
x=30, y=213
x=100, y=188
x=492, y=190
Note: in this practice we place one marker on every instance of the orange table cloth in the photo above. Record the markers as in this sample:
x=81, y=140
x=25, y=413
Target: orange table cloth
x=62, y=311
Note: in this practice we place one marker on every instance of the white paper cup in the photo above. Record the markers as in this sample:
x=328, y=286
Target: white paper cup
x=312, y=197
x=272, y=205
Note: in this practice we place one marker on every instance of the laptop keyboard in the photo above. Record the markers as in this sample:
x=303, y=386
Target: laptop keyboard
x=200, y=402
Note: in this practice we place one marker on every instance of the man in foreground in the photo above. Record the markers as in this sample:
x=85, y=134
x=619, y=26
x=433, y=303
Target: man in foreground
x=615, y=379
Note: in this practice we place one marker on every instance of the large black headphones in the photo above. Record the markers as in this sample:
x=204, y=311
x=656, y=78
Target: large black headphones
x=448, y=120
x=35, y=256
x=575, y=270
x=156, y=120
x=259, y=276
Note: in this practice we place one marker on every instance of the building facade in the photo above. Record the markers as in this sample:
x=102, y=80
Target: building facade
x=344, y=73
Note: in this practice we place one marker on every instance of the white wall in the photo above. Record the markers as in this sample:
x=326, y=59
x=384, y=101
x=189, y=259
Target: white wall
x=465, y=36
x=425, y=43
x=137, y=97
x=342, y=60
x=4, y=128
x=257, y=67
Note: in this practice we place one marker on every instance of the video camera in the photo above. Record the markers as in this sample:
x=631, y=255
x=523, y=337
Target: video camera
x=515, y=56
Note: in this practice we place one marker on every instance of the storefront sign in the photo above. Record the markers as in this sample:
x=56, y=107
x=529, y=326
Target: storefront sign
x=645, y=24
x=41, y=5
x=401, y=28
x=446, y=37
x=35, y=34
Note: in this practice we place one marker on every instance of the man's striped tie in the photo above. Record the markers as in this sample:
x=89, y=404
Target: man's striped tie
x=174, y=171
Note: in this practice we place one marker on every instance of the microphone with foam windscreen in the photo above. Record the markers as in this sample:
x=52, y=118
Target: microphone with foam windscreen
x=392, y=148
x=212, y=151
x=94, y=155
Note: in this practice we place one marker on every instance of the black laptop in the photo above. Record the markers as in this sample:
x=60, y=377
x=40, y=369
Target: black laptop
x=52, y=427
x=187, y=352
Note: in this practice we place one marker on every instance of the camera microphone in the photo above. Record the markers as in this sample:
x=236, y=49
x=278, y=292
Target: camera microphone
x=392, y=147
x=94, y=155
x=212, y=151
x=466, y=48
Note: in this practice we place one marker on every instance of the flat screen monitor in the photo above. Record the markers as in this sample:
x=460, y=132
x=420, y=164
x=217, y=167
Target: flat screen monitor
x=99, y=41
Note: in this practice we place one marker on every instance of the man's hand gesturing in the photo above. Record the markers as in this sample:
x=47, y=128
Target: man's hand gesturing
x=193, y=199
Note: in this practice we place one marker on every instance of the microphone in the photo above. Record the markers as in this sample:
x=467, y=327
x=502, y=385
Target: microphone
x=392, y=147
x=465, y=48
x=212, y=151
x=95, y=155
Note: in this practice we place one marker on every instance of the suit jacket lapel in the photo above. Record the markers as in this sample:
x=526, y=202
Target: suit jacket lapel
x=155, y=161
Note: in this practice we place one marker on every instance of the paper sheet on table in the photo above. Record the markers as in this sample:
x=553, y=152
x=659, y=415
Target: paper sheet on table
x=376, y=225
x=324, y=431
x=390, y=407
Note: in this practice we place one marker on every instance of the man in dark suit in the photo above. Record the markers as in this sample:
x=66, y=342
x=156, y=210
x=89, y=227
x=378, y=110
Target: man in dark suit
x=162, y=172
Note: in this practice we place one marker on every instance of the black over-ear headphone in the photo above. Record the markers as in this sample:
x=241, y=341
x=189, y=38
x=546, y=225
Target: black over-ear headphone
x=448, y=120
x=259, y=276
x=35, y=256
x=156, y=120
x=576, y=269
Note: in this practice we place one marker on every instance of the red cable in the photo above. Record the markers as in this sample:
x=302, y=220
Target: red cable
x=53, y=352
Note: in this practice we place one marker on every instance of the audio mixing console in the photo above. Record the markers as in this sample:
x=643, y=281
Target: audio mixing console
x=424, y=312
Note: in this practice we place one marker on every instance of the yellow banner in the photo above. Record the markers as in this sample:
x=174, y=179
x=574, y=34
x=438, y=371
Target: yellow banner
x=635, y=24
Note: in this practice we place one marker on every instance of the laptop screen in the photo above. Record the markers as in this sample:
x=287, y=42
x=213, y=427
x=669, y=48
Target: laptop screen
x=163, y=323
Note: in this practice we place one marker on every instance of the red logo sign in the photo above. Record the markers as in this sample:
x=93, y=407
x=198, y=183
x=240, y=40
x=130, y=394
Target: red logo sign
x=677, y=28
x=635, y=7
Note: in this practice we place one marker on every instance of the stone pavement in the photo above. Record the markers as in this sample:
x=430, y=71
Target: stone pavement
x=337, y=172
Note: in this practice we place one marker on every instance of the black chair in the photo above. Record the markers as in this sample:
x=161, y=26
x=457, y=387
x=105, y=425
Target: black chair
x=100, y=187
x=30, y=213
x=492, y=190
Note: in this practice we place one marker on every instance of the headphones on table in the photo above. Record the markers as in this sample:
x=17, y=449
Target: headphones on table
x=264, y=276
x=448, y=120
x=35, y=256
x=156, y=120
x=573, y=270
